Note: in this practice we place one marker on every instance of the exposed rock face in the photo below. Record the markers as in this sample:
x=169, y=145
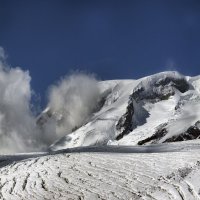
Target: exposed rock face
x=44, y=117
x=159, y=88
x=125, y=122
x=57, y=118
x=153, y=89
x=161, y=132
x=192, y=133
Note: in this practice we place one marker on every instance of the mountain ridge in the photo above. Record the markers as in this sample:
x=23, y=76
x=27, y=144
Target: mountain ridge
x=139, y=112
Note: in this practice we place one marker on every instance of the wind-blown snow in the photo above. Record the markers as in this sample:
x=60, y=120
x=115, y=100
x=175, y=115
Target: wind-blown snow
x=168, y=99
x=101, y=126
x=18, y=131
x=88, y=113
x=82, y=111
x=72, y=102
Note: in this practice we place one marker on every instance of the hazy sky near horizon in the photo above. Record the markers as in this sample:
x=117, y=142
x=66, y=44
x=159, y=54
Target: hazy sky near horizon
x=113, y=39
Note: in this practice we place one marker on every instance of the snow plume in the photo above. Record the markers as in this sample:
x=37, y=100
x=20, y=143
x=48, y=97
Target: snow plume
x=71, y=102
x=17, y=125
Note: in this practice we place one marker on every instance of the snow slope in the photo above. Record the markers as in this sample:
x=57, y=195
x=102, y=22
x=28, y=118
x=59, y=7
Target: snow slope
x=164, y=107
x=175, y=115
x=171, y=171
x=101, y=126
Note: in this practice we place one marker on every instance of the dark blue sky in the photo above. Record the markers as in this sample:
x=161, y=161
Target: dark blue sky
x=114, y=39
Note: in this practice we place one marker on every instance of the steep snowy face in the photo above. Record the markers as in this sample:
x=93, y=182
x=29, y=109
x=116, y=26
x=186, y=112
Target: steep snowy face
x=155, y=109
x=171, y=103
x=150, y=90
x=101, y=127
x=160, y=87
x=71, y=103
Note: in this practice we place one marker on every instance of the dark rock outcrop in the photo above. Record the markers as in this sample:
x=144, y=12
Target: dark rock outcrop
x=192, y=133
x=125, y=122
x=161, y=89
x=161, y=132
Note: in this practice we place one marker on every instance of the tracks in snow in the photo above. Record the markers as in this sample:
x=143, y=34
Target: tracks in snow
x=102, y=176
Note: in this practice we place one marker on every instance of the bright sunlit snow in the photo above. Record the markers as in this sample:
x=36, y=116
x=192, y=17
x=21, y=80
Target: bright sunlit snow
x=117, y=139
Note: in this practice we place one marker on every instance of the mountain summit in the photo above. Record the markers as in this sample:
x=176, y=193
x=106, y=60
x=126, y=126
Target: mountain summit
x=160, y=108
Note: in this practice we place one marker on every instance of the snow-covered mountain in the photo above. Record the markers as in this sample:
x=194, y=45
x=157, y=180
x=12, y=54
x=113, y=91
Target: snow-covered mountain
x=141, y=142
x=164, y=107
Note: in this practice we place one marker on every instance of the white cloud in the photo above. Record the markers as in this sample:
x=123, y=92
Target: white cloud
x=17, y=124
x=73, y=98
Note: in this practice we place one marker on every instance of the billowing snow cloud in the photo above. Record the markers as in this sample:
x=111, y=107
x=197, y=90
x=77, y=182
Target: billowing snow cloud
x=17, y=125
x=72, y=101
